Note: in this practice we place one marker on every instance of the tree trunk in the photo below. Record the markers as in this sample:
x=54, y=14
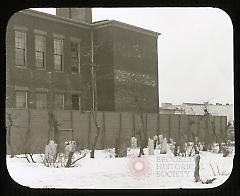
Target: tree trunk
x=143, y=141
x=8, y=134
x=69, y=161
x=96, y=137
x=197, y=167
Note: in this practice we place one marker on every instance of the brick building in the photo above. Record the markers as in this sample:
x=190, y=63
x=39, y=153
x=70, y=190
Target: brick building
x=49, y=62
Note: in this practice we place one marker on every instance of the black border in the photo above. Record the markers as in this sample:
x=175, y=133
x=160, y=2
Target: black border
x=232, y=8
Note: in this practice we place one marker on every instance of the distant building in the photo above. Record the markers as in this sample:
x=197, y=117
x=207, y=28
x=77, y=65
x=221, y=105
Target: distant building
x=49, y=62
x=169, y=108
x=217, y=109
x=198, y=109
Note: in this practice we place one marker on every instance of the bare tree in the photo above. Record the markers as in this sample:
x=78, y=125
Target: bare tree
x=143, y=140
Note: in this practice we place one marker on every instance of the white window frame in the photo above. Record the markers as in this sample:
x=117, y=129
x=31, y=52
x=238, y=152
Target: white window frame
x=44, y=52
x=78, y=56
x=25, y=46
x=62, y=54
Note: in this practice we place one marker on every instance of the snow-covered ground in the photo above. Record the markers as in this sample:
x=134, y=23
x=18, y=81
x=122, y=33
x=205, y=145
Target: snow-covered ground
x=157, y=171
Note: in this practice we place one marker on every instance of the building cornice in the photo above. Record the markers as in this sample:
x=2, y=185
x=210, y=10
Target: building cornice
x=107, y=23
x=95, y=25
x=55, y=18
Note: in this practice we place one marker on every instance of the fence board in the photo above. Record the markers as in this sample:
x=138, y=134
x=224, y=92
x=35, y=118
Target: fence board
x=175, y=126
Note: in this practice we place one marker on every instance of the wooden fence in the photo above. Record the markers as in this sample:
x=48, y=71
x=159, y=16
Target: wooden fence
x=80, y=127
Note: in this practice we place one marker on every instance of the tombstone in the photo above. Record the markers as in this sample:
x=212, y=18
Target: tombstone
x=200, y=146
x=50, y=152
x=155, y=139
x=133, y=142
x=163, y=149
x=150, y=147
x=111, y=153
x=160, y=137
x=69, y=149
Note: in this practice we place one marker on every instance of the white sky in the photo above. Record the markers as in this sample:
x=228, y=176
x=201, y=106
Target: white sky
x=195, y=50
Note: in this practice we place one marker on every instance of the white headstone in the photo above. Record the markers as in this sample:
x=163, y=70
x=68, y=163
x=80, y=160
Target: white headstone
x=163, y=149
x=160, y=139
x=133, y=142
x=215, y=148
x=69, y=147
x=155, y=137
x=50, y=152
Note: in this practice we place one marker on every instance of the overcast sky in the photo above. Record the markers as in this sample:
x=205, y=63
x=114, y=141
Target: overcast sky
x=195, y=50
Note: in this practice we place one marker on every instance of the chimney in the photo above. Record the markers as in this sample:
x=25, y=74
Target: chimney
x=76, y=14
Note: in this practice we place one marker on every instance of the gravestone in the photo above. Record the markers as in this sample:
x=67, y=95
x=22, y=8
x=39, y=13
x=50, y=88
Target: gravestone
x=69, y=149
x=133, y=142
x=50, y=152
x=163, y=149
x=160, y=137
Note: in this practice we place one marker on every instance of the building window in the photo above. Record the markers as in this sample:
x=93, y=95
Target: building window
x=21, y=99
x=75, y=102
x=40, y=51
x=75, y=57
x=58, y=54
x=20, y=48
x=59, y=101
x=41, y=100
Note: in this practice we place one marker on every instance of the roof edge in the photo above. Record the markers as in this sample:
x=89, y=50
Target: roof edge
x=105, y=23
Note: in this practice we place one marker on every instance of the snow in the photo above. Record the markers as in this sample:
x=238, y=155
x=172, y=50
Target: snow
x=158, y=171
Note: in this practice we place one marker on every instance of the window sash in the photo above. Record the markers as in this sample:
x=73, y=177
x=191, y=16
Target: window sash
x=58, y=46
x=58, y=62
x=75, y=57
x=39, y=43
x=39, y=59
x=58, y=54
x=41, y=100
x=59, y=101
x=20, y=48
x=20, y=39
x=20, y=57
x=21, y=99
x=75, y=102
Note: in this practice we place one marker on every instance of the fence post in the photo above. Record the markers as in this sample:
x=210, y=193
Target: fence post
x=158, y=121
x=103, y=131
x=28, y=139
x=169, y=127
x=188, y=128
x=198, y=126
x=133, y=118
x=71, y=122
x=207, y=130
x=120, y=124
x=146, y=125
x=89, y=130
x=179, y=126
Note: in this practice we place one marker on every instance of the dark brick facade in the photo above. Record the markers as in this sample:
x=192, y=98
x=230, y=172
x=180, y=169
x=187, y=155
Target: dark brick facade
x=128, y=67
x=125, y=59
